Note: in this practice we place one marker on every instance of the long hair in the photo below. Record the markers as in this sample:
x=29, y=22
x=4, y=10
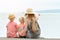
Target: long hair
x=33, y=17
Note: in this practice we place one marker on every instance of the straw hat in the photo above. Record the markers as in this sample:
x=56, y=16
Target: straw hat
x=11, y=16
x=29, y=11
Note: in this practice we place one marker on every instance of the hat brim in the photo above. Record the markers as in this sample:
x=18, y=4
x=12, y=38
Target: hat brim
x=29, y=14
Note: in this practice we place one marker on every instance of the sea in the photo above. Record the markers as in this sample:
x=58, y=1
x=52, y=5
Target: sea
x=48, y=22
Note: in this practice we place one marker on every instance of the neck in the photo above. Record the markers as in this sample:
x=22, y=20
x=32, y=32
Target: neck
x=11, y=21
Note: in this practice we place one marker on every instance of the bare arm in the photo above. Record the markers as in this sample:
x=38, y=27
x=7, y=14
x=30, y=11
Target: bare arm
x=37, y=16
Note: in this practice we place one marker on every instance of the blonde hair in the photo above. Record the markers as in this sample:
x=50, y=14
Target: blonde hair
x=34, y=26
x=33, y=17
x=21, y=18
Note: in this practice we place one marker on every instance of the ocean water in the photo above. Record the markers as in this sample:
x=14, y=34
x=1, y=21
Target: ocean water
x=49, y=23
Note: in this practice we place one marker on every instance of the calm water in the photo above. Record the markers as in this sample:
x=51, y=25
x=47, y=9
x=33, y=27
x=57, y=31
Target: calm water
x=49, y=23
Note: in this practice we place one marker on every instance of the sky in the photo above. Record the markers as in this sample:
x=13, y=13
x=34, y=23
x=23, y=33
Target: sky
x=22, y=5
x=49, y=22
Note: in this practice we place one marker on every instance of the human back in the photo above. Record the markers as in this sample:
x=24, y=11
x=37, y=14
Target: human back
x=32, y=24
x=11, y=27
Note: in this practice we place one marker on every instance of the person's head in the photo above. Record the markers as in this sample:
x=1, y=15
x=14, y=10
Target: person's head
x=29, y=13
x=21, y=19
x=11, y=17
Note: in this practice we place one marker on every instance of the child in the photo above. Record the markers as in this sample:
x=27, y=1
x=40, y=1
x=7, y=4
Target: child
x=21, y=28
x=11, y=27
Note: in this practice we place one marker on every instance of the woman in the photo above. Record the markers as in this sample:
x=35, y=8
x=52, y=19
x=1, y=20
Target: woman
x=33, y=29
